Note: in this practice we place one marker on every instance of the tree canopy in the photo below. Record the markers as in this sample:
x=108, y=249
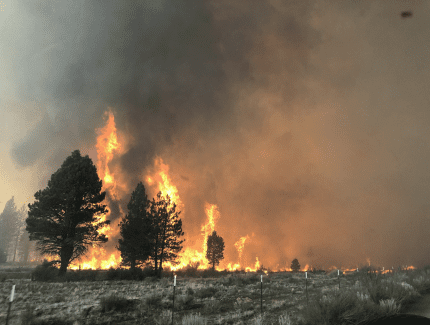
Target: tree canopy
x=136, y=230
x=65, y=218
x=215, y=249
x=166, y=230
x=295, y=266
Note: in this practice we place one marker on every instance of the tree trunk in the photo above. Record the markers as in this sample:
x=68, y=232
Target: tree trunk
x=16, y=246
x=65, y=255
x=132, y=264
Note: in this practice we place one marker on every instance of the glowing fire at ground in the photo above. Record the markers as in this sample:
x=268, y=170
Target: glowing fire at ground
x=107, y=146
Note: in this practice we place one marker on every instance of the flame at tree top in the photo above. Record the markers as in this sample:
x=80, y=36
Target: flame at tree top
x=213, y=215
x=107, y=145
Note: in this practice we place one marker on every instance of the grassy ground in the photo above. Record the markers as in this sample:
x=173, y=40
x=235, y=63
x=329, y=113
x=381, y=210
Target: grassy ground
x=218, y=298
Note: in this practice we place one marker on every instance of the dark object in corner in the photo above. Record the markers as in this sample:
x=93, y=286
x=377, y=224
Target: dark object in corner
x=401, y=319
x=406, y=14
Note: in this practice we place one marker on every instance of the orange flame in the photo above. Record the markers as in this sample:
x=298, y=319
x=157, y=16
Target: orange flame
x=213, y=215
x=107, y=145
x=239, y=246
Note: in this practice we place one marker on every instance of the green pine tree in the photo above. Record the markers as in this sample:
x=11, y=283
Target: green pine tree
x=65, y=217
x=135, y=243
x=215, y=249
x=167, y=228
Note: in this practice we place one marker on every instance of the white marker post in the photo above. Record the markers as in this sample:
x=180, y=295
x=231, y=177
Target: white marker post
x=261, y=296
x=12, y=294
x=173, y=306
x=338, y=277
x=306, y=286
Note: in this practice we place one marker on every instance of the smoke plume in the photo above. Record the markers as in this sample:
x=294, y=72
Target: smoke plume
x=306, y=122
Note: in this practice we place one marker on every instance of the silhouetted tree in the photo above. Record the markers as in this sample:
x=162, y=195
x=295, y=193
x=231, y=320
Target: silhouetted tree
x=22, y=240
x=167, y=228
x=8, y=229
x=136, y=230
x=65, y=217
x=215, y=249
x=295, y=266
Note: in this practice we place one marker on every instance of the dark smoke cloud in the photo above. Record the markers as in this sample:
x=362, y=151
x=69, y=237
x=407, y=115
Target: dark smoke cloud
x=305, y=122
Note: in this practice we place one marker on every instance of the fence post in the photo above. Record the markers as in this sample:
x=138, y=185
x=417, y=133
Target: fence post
x=306, y=288
x=10, y=304
x=173, y=305
x=261, y=296
x=338, y=277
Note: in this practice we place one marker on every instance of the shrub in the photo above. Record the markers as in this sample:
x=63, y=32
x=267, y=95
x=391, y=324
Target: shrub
x=389, y=307
x=345, y=307
x=27, y=316
x=193, y=320
x=212, y=306
x=165, y=318
x=185, y=301
x=115, y=303
x=45, y=272
x=206, y=292
x=284, y=319
x=153, y=301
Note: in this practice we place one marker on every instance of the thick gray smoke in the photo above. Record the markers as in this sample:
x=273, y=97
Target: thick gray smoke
x=306, y=122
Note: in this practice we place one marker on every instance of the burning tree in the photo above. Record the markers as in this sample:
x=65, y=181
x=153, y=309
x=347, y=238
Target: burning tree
x=136, y=228
x=215, y=249
x=295, y=266
x=64, y=219
x=167, y=228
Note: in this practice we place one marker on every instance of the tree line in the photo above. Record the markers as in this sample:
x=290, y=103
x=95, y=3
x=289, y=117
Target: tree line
x=15, y=244
x=65, y=220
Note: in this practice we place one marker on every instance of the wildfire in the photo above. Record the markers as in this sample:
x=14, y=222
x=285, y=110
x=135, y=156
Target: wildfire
x=240, y=244
x=209, y=227
x=107, y=145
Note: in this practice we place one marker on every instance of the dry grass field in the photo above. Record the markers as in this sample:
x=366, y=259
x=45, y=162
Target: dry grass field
x=220, y=299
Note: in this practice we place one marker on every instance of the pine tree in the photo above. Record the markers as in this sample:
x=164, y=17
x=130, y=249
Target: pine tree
x=215, y=249
x=167, y=228
x=8, y=229
x=136, y=229
x=295, y=266
x=65, y=217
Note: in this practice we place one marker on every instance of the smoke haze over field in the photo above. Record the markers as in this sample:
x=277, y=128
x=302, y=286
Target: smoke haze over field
x=306, y=122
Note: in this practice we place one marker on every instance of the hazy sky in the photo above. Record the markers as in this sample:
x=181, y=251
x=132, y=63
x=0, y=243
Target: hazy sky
x=306, y=122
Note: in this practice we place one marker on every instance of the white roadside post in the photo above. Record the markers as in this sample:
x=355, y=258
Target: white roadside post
x=10, y=304
x=338, y=277
x=261, y=299
x=306, y=286
x=173, y=306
